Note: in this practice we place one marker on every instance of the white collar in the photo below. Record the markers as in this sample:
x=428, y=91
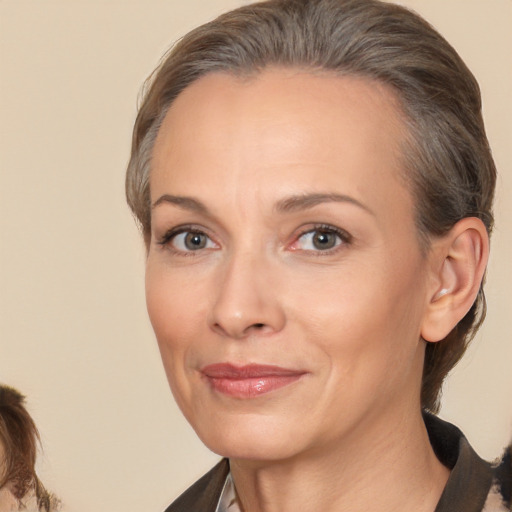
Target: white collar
x=228, y=501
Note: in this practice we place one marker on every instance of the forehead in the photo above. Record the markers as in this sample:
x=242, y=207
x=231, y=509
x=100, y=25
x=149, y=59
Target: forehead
x=283, y=127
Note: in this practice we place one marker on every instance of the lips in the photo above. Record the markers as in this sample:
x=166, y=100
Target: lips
x=249, y=381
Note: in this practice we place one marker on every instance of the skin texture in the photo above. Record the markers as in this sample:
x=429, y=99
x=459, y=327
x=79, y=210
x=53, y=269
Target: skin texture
x=347, y=319
x=8, y=503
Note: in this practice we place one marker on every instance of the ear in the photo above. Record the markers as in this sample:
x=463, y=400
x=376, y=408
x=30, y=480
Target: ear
x=458, y=263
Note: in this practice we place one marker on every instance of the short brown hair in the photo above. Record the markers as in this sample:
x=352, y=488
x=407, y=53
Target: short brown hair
x=447, y=157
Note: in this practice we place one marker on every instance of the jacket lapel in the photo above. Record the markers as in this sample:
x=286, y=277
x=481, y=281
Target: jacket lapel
x=204, y=495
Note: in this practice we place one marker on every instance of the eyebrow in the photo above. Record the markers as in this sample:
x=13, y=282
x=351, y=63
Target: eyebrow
x=287, y=205
x=305, y=201
x=187, y=203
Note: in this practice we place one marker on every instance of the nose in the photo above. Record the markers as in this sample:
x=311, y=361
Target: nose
x=247, y=299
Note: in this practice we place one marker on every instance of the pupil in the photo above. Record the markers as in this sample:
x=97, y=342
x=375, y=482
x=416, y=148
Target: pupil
x=195, y=241
x=324, y=240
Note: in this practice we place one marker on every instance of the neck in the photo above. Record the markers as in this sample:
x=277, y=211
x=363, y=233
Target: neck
x=387, y=466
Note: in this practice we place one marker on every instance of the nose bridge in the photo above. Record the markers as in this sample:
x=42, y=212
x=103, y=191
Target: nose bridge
x=246, y=300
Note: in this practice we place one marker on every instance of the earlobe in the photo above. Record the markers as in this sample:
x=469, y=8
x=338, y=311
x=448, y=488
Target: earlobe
x=460, y=259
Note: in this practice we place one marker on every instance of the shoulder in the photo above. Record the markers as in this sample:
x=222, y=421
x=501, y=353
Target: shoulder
x=500, y=495
x=204, y=494
x=474, y=485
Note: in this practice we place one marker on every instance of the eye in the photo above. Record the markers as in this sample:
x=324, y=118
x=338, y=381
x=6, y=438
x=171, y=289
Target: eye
x=187, y=240
x=321, y=239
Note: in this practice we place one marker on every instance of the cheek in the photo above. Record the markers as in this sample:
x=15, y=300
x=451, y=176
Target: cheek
x=174, y=325
x=173, y=318
x=160, y=303
x=365, y=319
x=169, y=300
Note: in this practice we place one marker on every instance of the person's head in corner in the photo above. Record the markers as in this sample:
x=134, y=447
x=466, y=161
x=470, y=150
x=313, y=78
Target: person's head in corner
x=19, y=439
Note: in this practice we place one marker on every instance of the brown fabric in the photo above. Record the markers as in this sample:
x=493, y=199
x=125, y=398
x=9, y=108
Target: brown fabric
x=469, y=483
x=503, y=474
x=470, y=478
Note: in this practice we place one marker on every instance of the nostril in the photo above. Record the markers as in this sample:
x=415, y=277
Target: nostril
x=259, y=326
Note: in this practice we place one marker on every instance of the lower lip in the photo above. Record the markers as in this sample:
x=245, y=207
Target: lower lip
x=250, y=387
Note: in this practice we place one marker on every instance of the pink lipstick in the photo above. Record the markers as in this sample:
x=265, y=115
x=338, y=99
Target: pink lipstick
x=248, y=381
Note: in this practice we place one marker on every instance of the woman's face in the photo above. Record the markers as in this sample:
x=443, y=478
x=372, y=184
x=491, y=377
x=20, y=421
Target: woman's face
x=284, y=278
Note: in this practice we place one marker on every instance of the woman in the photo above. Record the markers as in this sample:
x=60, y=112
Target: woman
x=20, y=488
x=314, y=186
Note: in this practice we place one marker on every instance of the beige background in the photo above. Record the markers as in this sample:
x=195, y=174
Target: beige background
x=74, y=333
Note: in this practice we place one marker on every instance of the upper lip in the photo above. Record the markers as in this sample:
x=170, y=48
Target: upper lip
x=248, y=371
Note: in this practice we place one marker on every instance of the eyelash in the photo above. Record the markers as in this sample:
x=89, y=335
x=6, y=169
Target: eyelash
x=171, y=234
x=344, y=237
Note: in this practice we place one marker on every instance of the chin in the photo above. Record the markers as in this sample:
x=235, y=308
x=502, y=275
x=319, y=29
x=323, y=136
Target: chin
x=250, y=438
